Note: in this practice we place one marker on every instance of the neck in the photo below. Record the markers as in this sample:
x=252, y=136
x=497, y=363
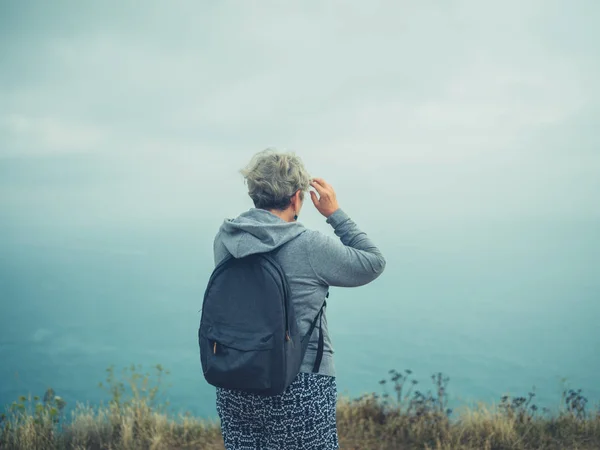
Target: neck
x=287, y=215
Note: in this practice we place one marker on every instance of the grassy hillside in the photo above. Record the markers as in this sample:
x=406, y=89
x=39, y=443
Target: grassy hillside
x=400, y=417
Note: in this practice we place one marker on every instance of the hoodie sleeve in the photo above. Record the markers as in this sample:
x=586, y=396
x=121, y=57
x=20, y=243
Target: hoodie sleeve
x=355, y=261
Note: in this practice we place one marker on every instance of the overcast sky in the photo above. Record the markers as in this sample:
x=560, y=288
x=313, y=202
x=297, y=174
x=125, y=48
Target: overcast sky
x=126, y=112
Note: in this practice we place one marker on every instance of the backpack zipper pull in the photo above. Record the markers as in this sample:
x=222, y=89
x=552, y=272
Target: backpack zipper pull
x=287, y=335
x=215, y=348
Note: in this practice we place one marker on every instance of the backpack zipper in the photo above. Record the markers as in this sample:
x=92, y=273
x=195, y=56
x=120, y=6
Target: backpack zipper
x=215, y=348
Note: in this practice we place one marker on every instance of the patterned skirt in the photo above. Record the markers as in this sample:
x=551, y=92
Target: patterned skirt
x=302, y=418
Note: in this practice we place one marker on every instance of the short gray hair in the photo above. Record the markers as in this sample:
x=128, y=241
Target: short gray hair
x=273, y=178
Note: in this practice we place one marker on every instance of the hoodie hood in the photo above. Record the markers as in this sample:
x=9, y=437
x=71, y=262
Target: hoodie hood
x=257, y=231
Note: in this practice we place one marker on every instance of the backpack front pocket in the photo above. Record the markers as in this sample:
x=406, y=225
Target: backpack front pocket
x=236, y=359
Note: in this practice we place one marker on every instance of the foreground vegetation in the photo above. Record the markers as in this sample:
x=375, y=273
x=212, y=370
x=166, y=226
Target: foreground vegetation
x=402, y=417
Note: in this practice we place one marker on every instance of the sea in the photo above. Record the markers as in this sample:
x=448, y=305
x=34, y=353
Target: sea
x=500, y=310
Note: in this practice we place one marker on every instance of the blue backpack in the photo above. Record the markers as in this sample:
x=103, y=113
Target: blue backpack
x=248, y=335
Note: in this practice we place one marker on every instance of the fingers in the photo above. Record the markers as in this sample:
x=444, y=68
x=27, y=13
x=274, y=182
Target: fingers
x=320, y=181
x=318, y=187
x=313, y=197
x=326, y=203
x=319, y=184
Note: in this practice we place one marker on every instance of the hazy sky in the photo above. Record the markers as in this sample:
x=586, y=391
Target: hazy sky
x=132, y=112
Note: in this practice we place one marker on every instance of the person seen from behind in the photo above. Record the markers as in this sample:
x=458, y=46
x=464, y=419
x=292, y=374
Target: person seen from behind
x=303, y=417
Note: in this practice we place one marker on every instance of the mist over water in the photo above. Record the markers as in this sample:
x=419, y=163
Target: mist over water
x=498, y=312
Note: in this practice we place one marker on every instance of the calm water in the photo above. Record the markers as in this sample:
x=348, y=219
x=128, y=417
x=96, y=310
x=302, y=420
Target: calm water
x=497, y=311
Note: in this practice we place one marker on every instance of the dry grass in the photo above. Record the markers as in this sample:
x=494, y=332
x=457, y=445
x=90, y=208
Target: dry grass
x=361, y=426
x=132, y=420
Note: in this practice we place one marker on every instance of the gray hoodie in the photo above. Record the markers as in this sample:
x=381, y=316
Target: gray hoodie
x=311, y=260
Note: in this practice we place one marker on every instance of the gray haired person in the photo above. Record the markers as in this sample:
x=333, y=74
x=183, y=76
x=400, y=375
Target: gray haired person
x=304, y=416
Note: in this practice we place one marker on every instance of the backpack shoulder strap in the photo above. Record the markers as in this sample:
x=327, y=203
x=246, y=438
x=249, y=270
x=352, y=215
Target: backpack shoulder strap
x=321, y=345
x=286, y=285
x=319, y=317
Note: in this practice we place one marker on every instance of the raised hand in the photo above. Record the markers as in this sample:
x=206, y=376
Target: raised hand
x=326, y=203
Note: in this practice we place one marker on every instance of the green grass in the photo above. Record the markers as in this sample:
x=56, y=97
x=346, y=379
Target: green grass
x=405, y=418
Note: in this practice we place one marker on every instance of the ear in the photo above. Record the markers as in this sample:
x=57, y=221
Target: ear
x=296, y=199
